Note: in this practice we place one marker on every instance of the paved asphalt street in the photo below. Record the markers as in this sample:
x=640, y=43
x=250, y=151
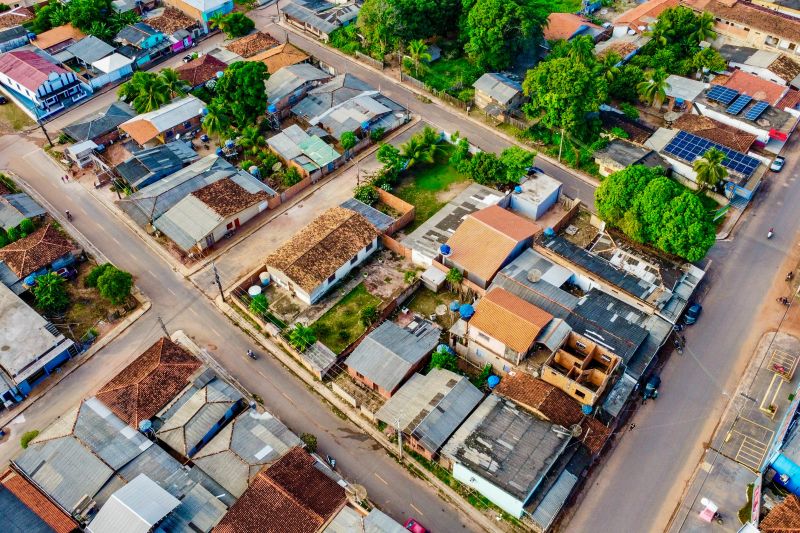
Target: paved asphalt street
x=359, y=458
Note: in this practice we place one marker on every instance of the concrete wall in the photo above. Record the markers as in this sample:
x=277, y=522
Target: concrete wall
x=761, y=72
x=499, y=497
x=407, y=210
x=230, y=223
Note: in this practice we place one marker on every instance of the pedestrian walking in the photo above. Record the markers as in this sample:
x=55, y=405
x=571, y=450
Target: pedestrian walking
x=63, y=178
x=632, y=427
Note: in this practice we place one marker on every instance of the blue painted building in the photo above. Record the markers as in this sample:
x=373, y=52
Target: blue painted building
x=203, y=10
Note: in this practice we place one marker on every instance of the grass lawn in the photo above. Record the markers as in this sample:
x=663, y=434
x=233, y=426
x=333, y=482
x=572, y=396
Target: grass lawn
x=564, y=6
x=421, y=187
x=341, y=325
x=13, y=118
x=446, y=74
x=425, y=302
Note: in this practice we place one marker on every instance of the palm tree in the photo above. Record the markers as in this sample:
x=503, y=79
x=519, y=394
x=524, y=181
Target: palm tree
x=418, y=51
x=172, y=82
x=705, y=28
x=250, y=138
x=661, y=32
x=416, y=150
x=215, y=121
x=301, y=337
x=101, y=30
x=144, y=92
x=709, y=169
x=581, y=49
x=609, y=66
x=432, y=140
x=654, y=90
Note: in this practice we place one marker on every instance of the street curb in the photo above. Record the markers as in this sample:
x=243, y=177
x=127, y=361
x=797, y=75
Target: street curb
x=444, y=491
x=581, y=176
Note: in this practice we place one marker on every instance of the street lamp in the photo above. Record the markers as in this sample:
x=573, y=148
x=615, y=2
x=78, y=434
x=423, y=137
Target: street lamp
x=41, y=124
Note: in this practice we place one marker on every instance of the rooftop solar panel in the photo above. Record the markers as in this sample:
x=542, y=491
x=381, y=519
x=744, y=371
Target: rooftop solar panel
x=756, y=111
x=690, y=147
x=722, y=94
x=739, y=104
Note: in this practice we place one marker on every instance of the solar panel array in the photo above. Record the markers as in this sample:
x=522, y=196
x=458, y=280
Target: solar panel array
x=756, y=110
x=722, y=94
x=739, y=104
x=690, y=147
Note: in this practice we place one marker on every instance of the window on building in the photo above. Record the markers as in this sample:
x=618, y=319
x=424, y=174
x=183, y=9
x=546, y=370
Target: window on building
x=369, y=246
x=580, y=345
x=354, y=259
x=580, y=394
x=332, y=278
x=359, y=375
x=483, y=336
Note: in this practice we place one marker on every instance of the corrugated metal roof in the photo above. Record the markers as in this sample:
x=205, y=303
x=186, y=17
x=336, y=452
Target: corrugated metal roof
x=285, y=145
x=319, y=151
x=389, y=352
x=135, y=508
x=100, y=122
x=498, y=87
x=338, y=90
x=378, y=219
x=431, y=407
x=291, y=78
x=547, y=511
x=16, y=207
x=108, y=436
x=172, y=114
x=200, y=510
x=188, y=222
x=90, y=49
x=307, y=16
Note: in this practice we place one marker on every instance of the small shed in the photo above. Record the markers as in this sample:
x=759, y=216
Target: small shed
x=81, y=153
x=433, y=278
x=535, y=196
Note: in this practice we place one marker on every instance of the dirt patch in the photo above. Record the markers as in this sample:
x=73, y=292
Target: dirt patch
x=425, y=302
x=385, y=274
x=367, y=398
x=452, y=191
x=583, y=233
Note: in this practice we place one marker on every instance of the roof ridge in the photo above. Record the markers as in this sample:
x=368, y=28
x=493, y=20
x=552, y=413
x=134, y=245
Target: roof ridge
x=291, y=496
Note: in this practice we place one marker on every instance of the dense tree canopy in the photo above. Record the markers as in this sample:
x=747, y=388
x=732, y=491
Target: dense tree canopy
x=233, y=24
x=385, y=22
x=95, y=17
x=516, y=160
x=240, y=92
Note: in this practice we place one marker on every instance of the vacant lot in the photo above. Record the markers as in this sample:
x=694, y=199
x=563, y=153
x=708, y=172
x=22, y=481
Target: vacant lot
x=13, y=119
x=342, y=324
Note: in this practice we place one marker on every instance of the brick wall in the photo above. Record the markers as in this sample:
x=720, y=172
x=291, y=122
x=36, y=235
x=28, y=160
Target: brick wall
x=406, y=210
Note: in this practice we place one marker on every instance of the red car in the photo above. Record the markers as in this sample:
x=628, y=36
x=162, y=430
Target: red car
x=415, y=527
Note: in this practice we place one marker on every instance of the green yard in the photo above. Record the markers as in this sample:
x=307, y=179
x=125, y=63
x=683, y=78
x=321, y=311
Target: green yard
x=565, y=6
x=426, y=187
x=342, y=324
x=425, y=301
x=12, y=118
x=450, y=75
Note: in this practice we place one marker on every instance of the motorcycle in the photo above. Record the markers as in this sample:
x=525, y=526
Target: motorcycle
x=790, y=276
x=678, y=347
x=251, y=355
x=69, y=215
x=784, y=300
x=331, y=461
x=770, y=233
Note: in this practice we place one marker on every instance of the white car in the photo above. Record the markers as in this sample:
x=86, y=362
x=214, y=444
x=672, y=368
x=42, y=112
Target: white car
x=777, y=164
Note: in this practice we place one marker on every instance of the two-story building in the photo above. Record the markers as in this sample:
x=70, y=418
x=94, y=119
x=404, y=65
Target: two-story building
x=39, y=86
x=290, y=84
x=144, y=42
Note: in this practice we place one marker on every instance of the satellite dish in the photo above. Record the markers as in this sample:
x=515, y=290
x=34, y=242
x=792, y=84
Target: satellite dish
x=534, y=275
x=441, y=310
x=277, y=166
x=359, y=491
x=576, y=430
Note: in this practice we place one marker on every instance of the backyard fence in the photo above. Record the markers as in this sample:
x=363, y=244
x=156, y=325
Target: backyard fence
x=442, y=95
x=371, y=61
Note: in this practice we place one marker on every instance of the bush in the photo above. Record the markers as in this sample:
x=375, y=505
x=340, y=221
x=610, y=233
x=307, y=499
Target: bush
x=310, y=441
x=91, y=279
x=50, y=292
x=291, y=177
x=259, y=304
x=445, y=360
x=367, y=194
x=13, y=234
x=115, y=285
x=27, y=437
x=376, y=134
x=27, y=226
x=630, y=111
x=369, y=314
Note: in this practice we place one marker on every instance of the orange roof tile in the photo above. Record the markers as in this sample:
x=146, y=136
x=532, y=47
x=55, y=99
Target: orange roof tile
x=751, y=16
x=142, y=130
x=57, y=35
x=15, y=17
x=758, y=88
x=252, y=44
x=143, y=387
x=36, y=251
x=200, y=70
x=790, y=100
x=486, y=238
x=644, y=14
x=783, y=518
x=509, y=319
x=280, y=56
x=37, y=502
x=565, y=25
x=710, y=129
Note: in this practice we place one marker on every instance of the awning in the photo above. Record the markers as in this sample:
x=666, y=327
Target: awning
x=778, y=135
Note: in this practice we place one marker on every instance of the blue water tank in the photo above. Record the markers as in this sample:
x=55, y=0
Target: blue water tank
x=204, y=111
x=454, y=306
x=493, y=381
x=586, y=409
x=219, y=151
x=229, y=143
x=787, y=473
x=254, y=170
x=145, y=426
x=271, y=108
x=466, y=311
x=549, y=232
x=443, y=348
x=365, y=125
x=445, y=250
x=517, y=189
x=220, y=74
x=30, y=280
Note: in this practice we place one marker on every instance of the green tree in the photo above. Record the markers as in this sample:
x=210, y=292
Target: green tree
x=623, y=85
x=609, y=68
x=348, y=141
x=240, y=92
x=50, y=293
x=704, y=28
x=710, y=59
x=454, y=277
x=486, y=168
x=418, y=52
x=709, y=169
x=369, y=314
x=91, y=279
x=251, y=139
x=415, y=150
x=48, y=16
x=172, y=81
x=27, y=226
x=301, y=337
x=291, y=176
x=233, y=24
x=516, y=160
x=367, y=194
x=120, y=20
x=687, y=228
x=27, y=437
x=376, y=21
x=618, y=191
x=653, y=90
x=443, y=359
x=82, y=13
x=259, y=305
x=101, y=30
x=215, y=121
x=461, y=156
x=389, y=156
x=145, y=92
x=115, y=285
x=310, y=441
x=562, y=93
x=13, y=234
x=650, y=203
x=581, y=49
x=376, y=134
x=497, y=30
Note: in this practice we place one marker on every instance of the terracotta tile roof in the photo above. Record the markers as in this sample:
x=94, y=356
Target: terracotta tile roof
x=783, y=518
x=37, y=250
x=486, y=238
x=758, y=88
x=622, y=48
x=644, y=14
x=565, y=25
x=37, y=502
x=200, y=70
x=280, y=56
x=252, y=44
x=140, y=130
x=509, y=319
x=170, y=21
x=553, y=404
x=752, y=16
x=57, y=35
x=226, y=197
x=28, y=68
x=291, y=496
x=322, y=247
x=15, y=17
x=785, y=67
x=790, y=100
x=149, y=382
x=718, y=132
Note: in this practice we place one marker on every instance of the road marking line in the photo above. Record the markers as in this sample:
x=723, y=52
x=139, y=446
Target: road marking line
x=191, y=310
x=416, y=509
x=379, y=477
x=287, y=396
x=217, y=332
x=171, y=291
x=118, y=244
x=260, y=373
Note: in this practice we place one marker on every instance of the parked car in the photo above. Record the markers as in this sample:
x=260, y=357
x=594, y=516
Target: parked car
x=3, y=100
x=777, y=164
x=415, y=527
x=188, y=58
x=67, y=273
x=692, y=314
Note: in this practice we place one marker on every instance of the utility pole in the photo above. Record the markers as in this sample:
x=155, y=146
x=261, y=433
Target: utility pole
x=399, y=437
x=216, y=278
x=163, y=327
x=561, y=145
x=41, y=125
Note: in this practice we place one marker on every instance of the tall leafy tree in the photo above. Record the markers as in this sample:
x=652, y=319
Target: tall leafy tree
x=485, y=167
x=115, y=285
x=385, y=22
x=497, y=30
x=687, y=229
x=709, y=169
x=704, y=28
x=653, y=90
x=301, y=337
x=50, y=293
x=710, y=59
x=623, y=85
x=82, y=13
x=348, y=141
x=562, y=93
x=415, y=151
x=581, y=49
x=608, y=67
x=215, y=122
x=376, y=22
x=233, y=24
x=649, y=205
x=617, y=193
x=145, y=92
x=418, y=52
x=241, y=94
x=173, y=83
x=516, y=160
